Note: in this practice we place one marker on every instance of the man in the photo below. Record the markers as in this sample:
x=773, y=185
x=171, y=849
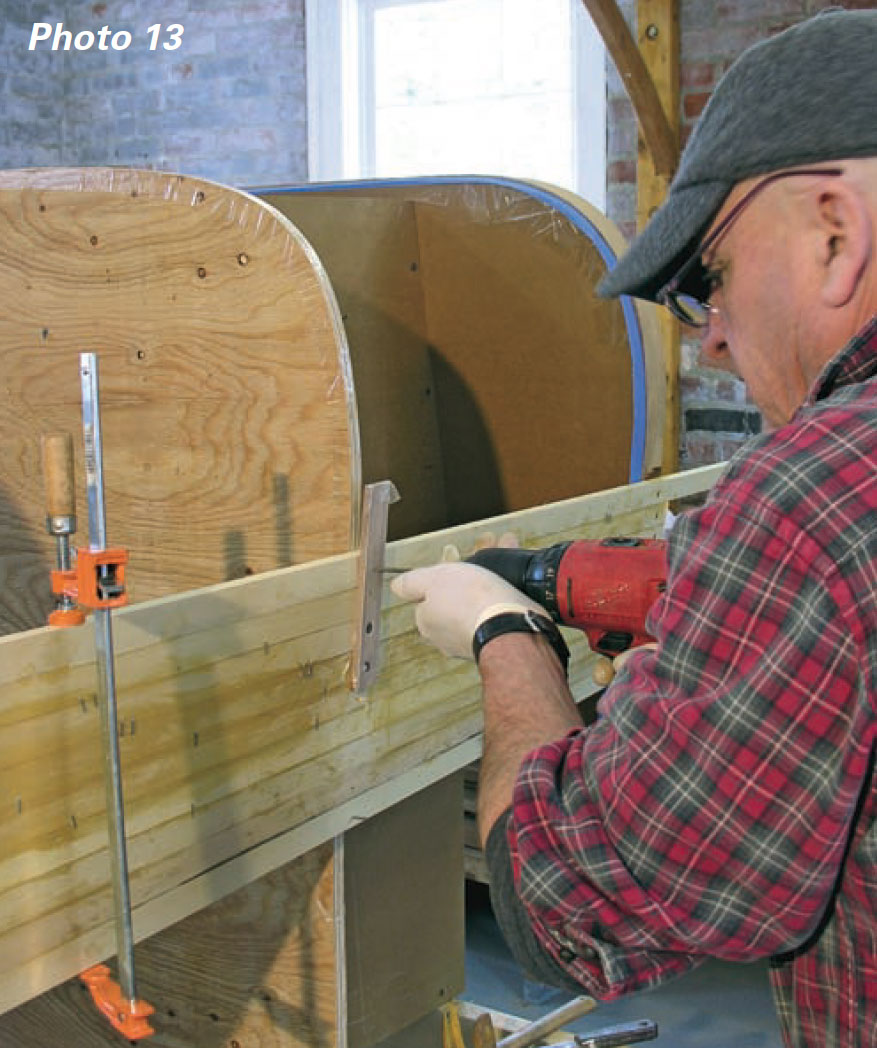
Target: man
x=723, y=804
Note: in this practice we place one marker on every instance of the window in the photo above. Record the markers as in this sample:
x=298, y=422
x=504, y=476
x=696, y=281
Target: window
x=418, y=87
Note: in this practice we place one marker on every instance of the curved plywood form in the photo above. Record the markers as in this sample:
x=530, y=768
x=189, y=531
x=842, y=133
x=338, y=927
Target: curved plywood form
x=229, y=424
x=489, y=375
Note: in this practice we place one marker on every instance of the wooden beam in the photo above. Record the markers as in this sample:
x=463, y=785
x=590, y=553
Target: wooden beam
x=237, y=729
x=637, y=78
x=658, y=39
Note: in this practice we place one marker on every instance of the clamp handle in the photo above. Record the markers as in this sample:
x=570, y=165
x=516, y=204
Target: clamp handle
x=130, y=1018
x=58, y=475
x=57, y=449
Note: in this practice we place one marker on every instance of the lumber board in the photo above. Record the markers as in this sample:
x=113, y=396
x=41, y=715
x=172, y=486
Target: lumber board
x=658, y=41
x=632, y=68
x=238, y=730
x=229, y=424
x=404, y=903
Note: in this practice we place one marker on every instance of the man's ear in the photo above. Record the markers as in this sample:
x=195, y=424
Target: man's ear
x=846, y=240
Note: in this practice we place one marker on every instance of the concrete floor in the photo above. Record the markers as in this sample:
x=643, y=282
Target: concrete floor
x=718, y=1006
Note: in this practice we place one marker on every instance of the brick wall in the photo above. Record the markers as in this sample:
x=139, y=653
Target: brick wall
x=31, y=91
x=717, y=417
x=229, y=103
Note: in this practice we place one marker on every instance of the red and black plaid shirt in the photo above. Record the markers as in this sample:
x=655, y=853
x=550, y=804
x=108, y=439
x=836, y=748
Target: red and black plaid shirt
x=723, y=804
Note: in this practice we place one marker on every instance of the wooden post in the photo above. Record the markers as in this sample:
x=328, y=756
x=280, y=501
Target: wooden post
x=658, y=37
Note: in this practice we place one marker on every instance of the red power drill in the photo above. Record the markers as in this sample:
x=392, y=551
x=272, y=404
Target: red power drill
x=602, y=587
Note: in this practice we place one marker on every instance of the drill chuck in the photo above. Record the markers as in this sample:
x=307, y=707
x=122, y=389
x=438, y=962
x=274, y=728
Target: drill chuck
x=532, y=571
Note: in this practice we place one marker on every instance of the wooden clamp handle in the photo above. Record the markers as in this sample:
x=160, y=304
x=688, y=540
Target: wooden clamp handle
x=58, y=474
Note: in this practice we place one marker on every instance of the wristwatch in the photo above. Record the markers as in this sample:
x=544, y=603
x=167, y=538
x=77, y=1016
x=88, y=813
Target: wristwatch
x=524, y=621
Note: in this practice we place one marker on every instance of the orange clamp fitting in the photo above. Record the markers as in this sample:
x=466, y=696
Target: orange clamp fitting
x=101, y=589
x=128, y=1017
x=64, y=584
x=66, y=617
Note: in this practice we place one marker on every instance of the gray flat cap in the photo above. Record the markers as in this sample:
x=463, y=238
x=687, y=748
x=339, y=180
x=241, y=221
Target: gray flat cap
x=804, y=96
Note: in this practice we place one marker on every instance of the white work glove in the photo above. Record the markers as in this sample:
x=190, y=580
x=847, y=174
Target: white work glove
x=454, y=599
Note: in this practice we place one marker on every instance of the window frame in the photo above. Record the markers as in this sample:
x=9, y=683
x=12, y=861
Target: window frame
x=341, y=149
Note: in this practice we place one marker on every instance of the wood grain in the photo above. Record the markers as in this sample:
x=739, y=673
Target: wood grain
x=638, y=81
x=230, y=435
x=239, y=728
x=231, y=448
x=256, y=968
x=658, y=41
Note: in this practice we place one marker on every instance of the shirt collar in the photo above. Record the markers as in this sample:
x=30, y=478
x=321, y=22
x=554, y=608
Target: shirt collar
x=856, y=362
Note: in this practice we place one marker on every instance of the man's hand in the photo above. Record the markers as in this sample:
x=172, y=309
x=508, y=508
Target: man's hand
x=454, y=599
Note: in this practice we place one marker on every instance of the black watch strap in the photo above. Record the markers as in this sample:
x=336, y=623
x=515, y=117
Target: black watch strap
x=521, y=622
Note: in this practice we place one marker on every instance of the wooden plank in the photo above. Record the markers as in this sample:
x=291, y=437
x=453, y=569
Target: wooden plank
x=658, y=40
x=637, y=79
x=239, y=729
x=229, y=428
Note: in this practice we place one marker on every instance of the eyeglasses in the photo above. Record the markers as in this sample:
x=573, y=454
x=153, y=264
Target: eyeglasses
x=692, y=305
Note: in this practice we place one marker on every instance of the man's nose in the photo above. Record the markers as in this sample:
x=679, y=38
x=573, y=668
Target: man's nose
x=713, y=346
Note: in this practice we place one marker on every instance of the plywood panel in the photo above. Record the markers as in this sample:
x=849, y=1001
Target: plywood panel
x=256, y=968
x=527, y=386
x=404, y=920
x=230, y=434
x=533, y=373
x=370, y=249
